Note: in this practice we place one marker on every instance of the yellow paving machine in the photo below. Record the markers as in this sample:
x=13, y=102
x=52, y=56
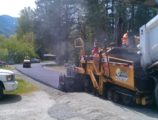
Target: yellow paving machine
x=121, y=74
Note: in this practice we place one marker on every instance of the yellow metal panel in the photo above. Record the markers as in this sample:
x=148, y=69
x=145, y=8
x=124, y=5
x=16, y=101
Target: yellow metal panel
x=122, y=75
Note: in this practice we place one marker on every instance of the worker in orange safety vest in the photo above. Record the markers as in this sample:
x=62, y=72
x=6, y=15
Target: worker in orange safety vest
x=95, y=49
x=125, y=40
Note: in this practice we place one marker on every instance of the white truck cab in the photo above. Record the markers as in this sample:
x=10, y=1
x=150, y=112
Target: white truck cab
x=149, y=42
x=7, y=81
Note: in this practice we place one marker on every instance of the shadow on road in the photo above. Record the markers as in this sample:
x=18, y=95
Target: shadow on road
x=150, y=110
x=10, y=98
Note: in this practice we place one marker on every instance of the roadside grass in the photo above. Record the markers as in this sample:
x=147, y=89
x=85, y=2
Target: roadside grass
x=7, y=67
x=24, y=87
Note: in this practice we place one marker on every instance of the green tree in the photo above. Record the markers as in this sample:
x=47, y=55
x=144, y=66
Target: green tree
x=111, y=18
x=13, y=50
x=56, y=23
x=54, y=20
x=25, y=22
x=25, y=35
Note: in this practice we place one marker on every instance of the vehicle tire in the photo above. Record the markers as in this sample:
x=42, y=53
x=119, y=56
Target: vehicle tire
x=1, y=92
x=127, y=100
x=116, y=97
x=156, y=95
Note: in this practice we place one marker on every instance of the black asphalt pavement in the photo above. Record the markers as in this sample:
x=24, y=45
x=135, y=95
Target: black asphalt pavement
x=37, y=72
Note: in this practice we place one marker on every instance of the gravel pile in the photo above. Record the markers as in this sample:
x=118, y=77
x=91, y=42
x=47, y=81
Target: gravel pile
x=82, y=106
x=30, y=107
x=56, y=105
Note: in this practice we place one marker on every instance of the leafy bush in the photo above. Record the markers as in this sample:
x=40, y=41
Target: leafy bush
x=13, y=50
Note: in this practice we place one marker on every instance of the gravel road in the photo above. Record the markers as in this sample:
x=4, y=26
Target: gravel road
x=51, y=104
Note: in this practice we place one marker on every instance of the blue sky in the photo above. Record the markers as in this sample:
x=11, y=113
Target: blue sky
x=13, y=7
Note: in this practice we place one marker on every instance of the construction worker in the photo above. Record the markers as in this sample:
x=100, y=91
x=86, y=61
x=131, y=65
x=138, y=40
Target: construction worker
x=125, y=40
x=95, y=50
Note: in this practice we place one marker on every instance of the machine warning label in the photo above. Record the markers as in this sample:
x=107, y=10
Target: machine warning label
x=121, y=75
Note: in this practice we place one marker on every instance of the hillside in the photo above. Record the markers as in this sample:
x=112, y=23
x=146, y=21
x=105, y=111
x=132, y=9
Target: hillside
x=7, y=25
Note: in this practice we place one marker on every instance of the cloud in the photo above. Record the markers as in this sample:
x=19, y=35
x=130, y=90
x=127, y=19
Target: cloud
x=13, y=7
